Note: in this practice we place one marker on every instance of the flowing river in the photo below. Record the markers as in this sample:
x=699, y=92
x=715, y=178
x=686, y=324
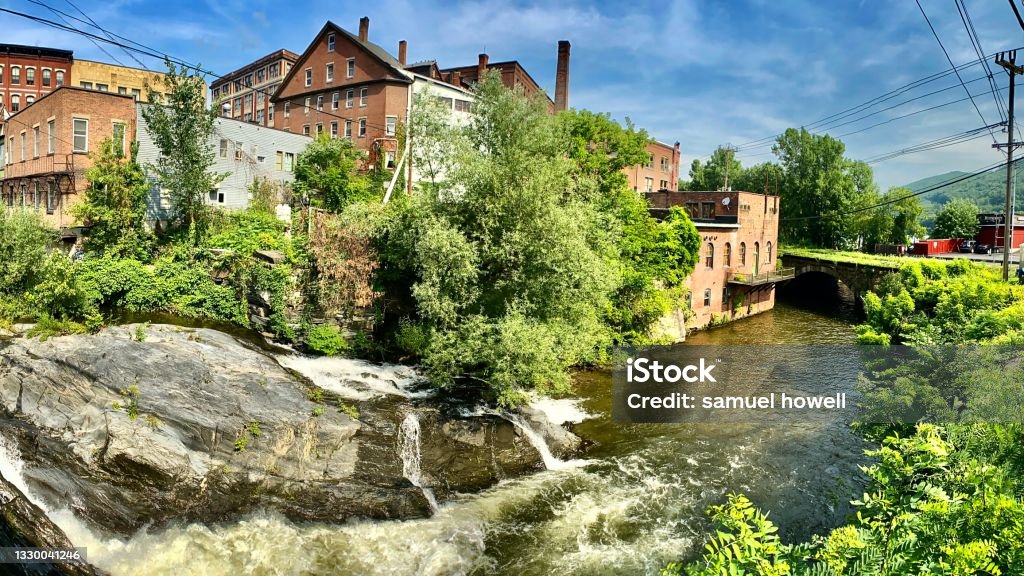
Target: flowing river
x=635, y=503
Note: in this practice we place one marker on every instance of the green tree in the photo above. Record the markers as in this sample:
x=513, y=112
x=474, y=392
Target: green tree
x=895, y=221
x=114, y=203
x=957, y=219
x=436, y=141
x=602, y=148
x=711, y=175
x=181, y=125
x=326, y=172
x=819, y=189
x=758, y=178
x=24, y=241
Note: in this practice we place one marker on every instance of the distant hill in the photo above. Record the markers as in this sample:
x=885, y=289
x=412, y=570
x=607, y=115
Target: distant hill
x=988, y=191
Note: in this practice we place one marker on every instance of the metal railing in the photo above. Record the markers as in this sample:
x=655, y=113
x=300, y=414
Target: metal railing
x=751, y=279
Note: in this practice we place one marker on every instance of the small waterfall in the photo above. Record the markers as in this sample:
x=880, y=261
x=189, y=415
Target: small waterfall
x=409, y=437
x=551, y=462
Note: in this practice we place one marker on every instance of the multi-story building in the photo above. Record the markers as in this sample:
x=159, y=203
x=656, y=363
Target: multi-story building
x=48, y=147
x=122, y=80
x=27, y=73
x=245, y=152
x=736, y=272
x=661, y=171
x=346, y=86
x=992, y=231
x=246, y=93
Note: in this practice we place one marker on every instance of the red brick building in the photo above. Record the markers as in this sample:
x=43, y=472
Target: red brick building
x=346, y=86
x=246, y=93
x=28, y=73
x=513, y=75
x=48, y=146
x=660, y=173
x=736, y=273
x=992, y=230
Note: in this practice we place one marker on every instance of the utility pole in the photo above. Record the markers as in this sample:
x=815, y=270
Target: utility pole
x=1008, y=60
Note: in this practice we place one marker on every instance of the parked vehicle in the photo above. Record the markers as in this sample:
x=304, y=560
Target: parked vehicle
x=966, y=247
x=982, y=249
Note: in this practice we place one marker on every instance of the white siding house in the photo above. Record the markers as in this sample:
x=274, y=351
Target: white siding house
x=458, y=100
x=244, y=151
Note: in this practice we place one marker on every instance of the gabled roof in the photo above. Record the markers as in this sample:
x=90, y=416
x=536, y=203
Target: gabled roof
x=370, y=48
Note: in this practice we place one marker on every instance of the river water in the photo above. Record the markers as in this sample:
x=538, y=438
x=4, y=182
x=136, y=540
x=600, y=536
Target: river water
x=635, y=503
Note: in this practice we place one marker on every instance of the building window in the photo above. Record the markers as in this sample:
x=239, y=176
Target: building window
x=1, y=74
x=727, y=254
x=287, y=106
x=60, y=78
x=35, y=141
x=47, y=77
x=103, y=87
x=248, y=80
x=649, y=184
x=118, y=137
x=743, y=253
x=330, y=72
x=309, y=77
x=274, y=70
x=305, y=129
x=15, y=75
x=86, y=85
x=23, y=147
x=305, y=106
x=261, y=75
x=239, y=150
x=15, y=102
x=769, y=261
x=725, y=295
x=709, y=256
x=259, y=117
x=757, y=257
x=334, y=129
x=80, y=129
x=463, y=106
x=707, y=210
x=30, y=76
x=279, y=161
x=319, y=129
x=330, y=42
x=392, y=123
x=270, y=113
x=320, y=103
x=351, y=68
x=289, y=161
x=51, y=196
x=389, y=160
x=51, y=136
x=122, y=90
x=335, y=99
x=363, y=94
x=223, y=148
x=30, y=99
x=348, y=97
x=691, y=209
x=707, y=297
x=362, y=127
x=348, y=129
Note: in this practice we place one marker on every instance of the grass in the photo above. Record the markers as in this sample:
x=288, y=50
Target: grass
x=880, y=260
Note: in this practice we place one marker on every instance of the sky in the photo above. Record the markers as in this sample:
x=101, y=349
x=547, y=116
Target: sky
x=703, y=73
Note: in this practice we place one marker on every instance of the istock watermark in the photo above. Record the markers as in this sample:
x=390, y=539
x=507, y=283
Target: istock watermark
x=787, y=384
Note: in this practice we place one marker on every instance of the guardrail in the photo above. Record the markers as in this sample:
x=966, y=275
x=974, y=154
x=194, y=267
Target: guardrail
x=749, y=279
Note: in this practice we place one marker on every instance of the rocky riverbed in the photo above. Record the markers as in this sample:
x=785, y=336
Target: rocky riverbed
x=143, y=427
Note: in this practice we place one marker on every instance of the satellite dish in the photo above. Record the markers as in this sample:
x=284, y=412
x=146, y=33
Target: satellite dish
x=725, y=201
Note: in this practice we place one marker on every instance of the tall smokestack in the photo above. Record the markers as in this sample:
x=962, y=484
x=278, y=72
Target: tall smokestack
x=402, y=45
x=562, y=77
x=481, y=67
x=364, y=29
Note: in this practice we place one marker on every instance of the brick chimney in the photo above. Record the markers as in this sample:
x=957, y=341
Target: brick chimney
x=481, y=67
x=456, y=79
x=562, y=77
x=364, y=29
x=402, y=46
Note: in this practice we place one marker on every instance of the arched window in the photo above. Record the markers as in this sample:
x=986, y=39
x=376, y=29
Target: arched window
x=709, y=258
x=15, y=102
x=30, y=76
x=770, y=261
x=29, y=100
x=15, y=75
x=707, y=297
x=728, y=254
x=743, y=253
x=757, y=257
x=60, y=77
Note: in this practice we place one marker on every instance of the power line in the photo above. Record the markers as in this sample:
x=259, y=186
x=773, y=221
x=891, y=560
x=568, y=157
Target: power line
x=937, y=143
x=58, y=14
x=950, y=60
x=972, y=34
x=105, y=33
x=1017, y=14
x=154, y=53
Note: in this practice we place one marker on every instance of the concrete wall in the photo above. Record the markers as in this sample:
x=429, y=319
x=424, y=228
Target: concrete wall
x=258, y=158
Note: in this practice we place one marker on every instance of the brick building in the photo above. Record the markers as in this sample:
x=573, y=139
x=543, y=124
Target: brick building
x=122, y=80
x=246, y=93
x=992, y=230
x=660, y=173
x=48, y=146
x=28, y=73
x=736, y=273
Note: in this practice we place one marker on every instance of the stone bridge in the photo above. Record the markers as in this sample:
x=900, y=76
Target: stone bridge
x=858, y=276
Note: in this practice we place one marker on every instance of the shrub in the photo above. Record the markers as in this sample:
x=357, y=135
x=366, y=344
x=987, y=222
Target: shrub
x=24, y=240
x=326, y=339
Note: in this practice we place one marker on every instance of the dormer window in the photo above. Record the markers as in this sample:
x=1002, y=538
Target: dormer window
x=351, y=68
x=309, y=77
x=330, y=42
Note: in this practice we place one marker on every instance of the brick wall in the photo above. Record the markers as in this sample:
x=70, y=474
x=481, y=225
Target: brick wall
x=662, y=176
x=39, y=62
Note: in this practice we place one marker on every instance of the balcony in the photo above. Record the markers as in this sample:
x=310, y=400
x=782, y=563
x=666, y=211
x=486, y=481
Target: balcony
x=771, y=277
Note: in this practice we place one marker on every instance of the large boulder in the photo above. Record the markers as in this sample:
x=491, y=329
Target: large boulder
x=188, y=424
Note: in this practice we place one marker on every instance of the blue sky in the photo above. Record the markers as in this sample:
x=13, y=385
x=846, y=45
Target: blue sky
x=703, y=73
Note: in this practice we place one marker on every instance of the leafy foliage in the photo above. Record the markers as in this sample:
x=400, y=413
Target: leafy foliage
x=326, y=173
x=958, y=218
x=326, y=339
